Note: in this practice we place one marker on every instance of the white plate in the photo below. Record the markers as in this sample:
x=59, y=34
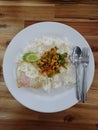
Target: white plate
x=37, y=100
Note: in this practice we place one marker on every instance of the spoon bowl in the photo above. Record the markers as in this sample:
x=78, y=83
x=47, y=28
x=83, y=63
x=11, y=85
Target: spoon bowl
x=76, y=55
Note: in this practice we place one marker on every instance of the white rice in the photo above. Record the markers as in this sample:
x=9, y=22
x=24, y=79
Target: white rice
x=66, y=77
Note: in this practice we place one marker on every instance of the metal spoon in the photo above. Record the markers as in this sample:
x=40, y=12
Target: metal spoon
x=76, y=60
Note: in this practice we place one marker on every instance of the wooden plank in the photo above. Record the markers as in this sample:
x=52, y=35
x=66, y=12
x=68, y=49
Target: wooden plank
x=77, y=11
x=9, y=29
x=27, y=3
x=52, y=1
x=26, y=12
x=77, y=1
x=44, y=125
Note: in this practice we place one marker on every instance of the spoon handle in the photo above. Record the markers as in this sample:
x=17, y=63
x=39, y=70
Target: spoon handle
x=78, y=94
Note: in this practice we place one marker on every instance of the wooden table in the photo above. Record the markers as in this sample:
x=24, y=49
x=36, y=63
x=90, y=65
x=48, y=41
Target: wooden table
x=83, y=16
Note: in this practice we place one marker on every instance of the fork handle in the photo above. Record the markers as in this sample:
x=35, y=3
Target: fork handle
x=77, y=83
x=84, y=84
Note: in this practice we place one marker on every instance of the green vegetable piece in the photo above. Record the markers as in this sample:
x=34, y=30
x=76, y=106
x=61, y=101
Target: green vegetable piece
x=61, y=61
x=64, y=55
x=65, y=66
x=62, y=58
x=56, y=48
x=30, y=57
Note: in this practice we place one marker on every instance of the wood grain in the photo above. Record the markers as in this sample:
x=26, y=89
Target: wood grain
x=80, y=11
x=81, y=15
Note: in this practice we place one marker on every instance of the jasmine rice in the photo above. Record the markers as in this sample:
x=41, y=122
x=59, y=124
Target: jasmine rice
x=66, y=77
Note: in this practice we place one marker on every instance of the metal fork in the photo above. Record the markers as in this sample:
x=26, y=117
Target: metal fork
x=85, y=62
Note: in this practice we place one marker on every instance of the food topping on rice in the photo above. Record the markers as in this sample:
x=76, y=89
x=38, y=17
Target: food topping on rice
x=51, y=62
